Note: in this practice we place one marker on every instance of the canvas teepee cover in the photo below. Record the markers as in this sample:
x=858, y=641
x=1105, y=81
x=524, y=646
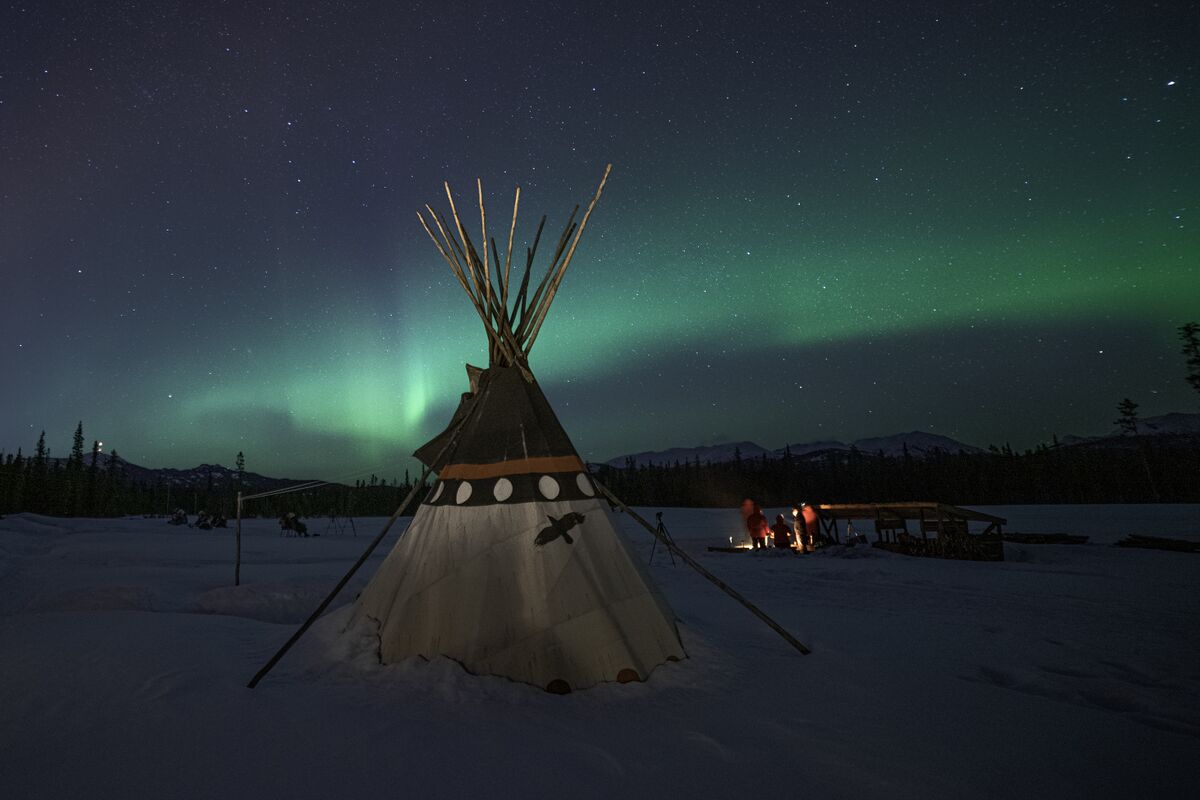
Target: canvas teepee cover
x=512, y=565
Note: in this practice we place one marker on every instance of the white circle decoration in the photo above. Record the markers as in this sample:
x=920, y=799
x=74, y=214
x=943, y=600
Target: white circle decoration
x=438, y=491
x=548, y=487
x=464, y=492
x=502, y=490
x=585, y=485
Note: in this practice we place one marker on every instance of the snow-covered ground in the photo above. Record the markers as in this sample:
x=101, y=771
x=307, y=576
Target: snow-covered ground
x=1066, y=671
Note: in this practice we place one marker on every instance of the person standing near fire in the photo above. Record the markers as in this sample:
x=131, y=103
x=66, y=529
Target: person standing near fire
x=756, y=523
x=747, y=509
x=812, y=526
x=782, y=533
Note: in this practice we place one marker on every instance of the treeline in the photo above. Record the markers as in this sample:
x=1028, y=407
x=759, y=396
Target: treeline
x=367, y=498
x=1130, y=469
x=102, y=487
x=1134, y=469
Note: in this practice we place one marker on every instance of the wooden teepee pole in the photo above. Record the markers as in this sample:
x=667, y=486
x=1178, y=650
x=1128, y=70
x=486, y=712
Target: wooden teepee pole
x=451, y=252
x=467, y=248
x=506, y=343
x=562, y=270
x=500, y=337
x=456, y=268
x=487, y=278
x=530, y=252
x=508, y=255
x=536, y=300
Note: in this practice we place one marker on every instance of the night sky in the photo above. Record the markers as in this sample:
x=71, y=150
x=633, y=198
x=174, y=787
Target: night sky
x=825, y=220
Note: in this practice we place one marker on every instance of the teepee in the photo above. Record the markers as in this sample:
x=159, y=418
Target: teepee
x=512, y=565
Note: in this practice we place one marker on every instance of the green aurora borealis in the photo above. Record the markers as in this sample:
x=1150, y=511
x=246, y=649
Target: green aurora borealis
x=833, y=224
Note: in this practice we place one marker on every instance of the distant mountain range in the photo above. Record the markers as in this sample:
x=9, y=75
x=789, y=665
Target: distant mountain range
x=1176, y=424
x=223, y=478
x=918, y=443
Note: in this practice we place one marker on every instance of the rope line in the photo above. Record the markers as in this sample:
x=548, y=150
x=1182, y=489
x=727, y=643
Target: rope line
x=312, y=484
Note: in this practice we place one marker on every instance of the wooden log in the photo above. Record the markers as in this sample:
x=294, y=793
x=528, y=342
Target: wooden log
x=1160, y=543
x=1042, y=538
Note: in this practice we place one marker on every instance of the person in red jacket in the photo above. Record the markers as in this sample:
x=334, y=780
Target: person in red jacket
x=747, y=509
x=812, y=525
x=756, y=525
x=782, y=533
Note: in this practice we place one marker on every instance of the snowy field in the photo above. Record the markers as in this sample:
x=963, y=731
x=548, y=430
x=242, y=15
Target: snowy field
x=1066, y=671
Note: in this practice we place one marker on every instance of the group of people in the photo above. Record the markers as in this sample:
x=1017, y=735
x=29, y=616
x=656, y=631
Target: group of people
x=204, y=520
x=802, y=537
x=290, y=522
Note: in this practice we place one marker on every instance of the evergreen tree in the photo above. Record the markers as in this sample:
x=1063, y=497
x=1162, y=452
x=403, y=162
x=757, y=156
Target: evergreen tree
x=16, y=483
x=77, y=446
x=208, y=490
x=1128, y=421
x=6, y=479
x=73, y=497
x=240, y=464
x=1189, y=334
x=90, y=497
x=114, y=500
x=36, y=476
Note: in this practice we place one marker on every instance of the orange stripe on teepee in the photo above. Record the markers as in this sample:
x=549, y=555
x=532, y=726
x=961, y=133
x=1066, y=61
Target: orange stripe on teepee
x=518, y=466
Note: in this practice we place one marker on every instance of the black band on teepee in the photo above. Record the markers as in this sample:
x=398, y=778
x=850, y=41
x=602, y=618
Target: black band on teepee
x=529, y=488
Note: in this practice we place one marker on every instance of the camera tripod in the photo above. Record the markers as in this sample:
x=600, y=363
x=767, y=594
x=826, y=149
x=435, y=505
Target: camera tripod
x=662, y=533
x=338, y=524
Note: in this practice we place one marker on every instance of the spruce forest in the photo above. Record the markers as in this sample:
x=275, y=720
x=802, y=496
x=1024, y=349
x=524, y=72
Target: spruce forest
x=1127, y=469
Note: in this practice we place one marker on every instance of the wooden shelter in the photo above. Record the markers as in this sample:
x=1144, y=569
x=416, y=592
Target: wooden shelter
x=949, y=526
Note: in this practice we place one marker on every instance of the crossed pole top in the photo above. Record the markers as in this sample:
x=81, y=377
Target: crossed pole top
x=512, y=321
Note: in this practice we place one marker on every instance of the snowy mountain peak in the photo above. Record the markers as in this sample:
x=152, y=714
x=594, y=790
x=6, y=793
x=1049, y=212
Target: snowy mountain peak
x=1175, y=423
x=708, y=454
x=918, y=443
x=804, y=448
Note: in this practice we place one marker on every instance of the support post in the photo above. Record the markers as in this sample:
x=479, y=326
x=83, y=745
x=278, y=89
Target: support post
x=237, y=564
x=713, y=579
